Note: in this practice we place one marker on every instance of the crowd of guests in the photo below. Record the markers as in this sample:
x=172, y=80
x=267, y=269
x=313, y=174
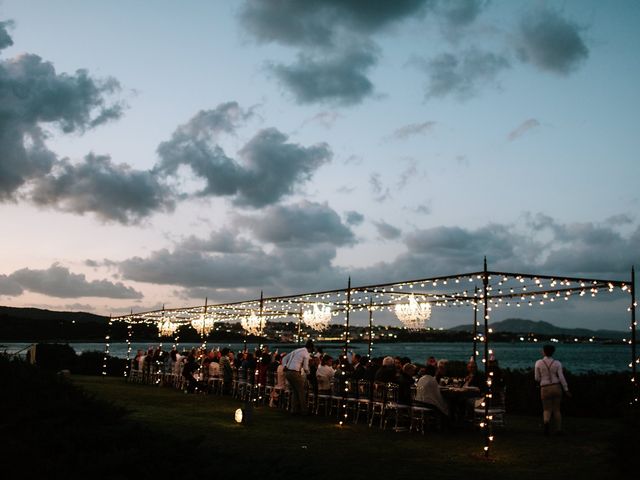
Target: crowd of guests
x=309, y=368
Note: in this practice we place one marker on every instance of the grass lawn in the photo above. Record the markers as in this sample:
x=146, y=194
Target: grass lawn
x=277, y=444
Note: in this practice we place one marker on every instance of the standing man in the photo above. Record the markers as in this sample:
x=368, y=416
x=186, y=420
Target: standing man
x=548, y=372
x=294, y=363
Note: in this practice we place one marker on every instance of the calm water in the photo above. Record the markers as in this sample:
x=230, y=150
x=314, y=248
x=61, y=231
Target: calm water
x=577, y=358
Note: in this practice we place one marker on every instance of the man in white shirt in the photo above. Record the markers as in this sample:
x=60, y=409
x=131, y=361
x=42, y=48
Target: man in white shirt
x=295, y=363
x=548, y=373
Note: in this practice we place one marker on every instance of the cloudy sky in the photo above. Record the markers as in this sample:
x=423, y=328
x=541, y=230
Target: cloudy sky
x=163, y=152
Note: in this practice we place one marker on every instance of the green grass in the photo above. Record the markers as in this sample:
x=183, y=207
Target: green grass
x=277, y=444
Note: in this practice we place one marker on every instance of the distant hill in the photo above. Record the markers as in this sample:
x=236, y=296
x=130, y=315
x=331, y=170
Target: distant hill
x=15, y=313
x=521, y=325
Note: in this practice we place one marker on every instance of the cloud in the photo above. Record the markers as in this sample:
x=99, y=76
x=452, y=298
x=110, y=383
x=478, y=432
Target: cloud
x=271, y=167
x=189, y=268
x=5, y=38
x=303, y=239
x=621, y=219
x=301, y=224
x=424, y=209
x=461, y=76
x=413, y=129
x=354, y=218
x=387, y=231
x=221, y=241
x=407, y=174
x=9, y=287
x=339, y=79
x=326, y=119
x=326, y=71
x=523, y=128
x=538, y=244
x=460, y=13
x=550, y=42
x=58, y=281
x=380, y=192
x=319, y=23
x=34, y=96
x=113, y=192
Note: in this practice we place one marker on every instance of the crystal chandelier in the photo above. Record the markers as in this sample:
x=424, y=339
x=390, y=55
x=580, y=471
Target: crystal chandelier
x=166, y=328
x=414, y=314
x=252, y=324
x=203, y=323
x=318, y=318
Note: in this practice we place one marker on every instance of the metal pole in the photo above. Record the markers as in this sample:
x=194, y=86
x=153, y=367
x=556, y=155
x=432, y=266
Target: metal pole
x=257, y=387
x=261, y=311
x=487, y=420
x=346, y=325
x=299, y=325
x=634, y=359
x=370, y=327
x=127, y=368
x=475, y=327
x=204, y=320
x=107, y=340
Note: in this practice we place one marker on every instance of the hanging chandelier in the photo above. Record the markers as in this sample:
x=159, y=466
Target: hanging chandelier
x=166, y=328
x=203, y=323
x=252, y=324
x=318, y=318
x=414, y=314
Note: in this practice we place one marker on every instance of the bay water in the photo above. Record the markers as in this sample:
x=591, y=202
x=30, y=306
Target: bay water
x=577, y=358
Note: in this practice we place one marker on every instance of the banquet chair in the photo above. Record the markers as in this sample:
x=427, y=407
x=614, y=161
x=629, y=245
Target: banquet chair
x=270, y=385
x=337, y=395
x=393, y=407
x=323, y=401
x=135, y=376
x=363, y=402
x=420, y=416
x=379, y=391
x=215, y=384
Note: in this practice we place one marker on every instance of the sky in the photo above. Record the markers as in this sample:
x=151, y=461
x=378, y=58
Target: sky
x=157, y=153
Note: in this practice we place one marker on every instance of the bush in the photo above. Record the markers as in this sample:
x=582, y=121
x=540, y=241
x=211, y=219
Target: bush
x=54, y=357
x=593, y=394
x=92, y=363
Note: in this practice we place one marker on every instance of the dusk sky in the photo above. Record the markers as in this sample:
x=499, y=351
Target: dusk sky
x=163, y=152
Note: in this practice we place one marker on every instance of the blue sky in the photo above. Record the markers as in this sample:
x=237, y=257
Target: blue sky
x=219, y=148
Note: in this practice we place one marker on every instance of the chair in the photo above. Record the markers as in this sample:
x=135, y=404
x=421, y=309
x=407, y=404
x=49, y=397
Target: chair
x=363, y=402
x=379, y=392
x=239, y=383
x=420, y=416
x=337, y=397
x=215, y=384
x=496, y=411
x=392, y=406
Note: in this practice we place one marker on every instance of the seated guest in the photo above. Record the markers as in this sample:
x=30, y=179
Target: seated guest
x=405, y=382
x=473, y=378
x=387, y=373
x=441, y=369
x=428, y=392
x=214, y=367
x=325, y=374
x=190, y=367
x=360, y=367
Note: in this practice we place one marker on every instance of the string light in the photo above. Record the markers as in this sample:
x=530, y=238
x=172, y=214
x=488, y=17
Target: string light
x=501, y=289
